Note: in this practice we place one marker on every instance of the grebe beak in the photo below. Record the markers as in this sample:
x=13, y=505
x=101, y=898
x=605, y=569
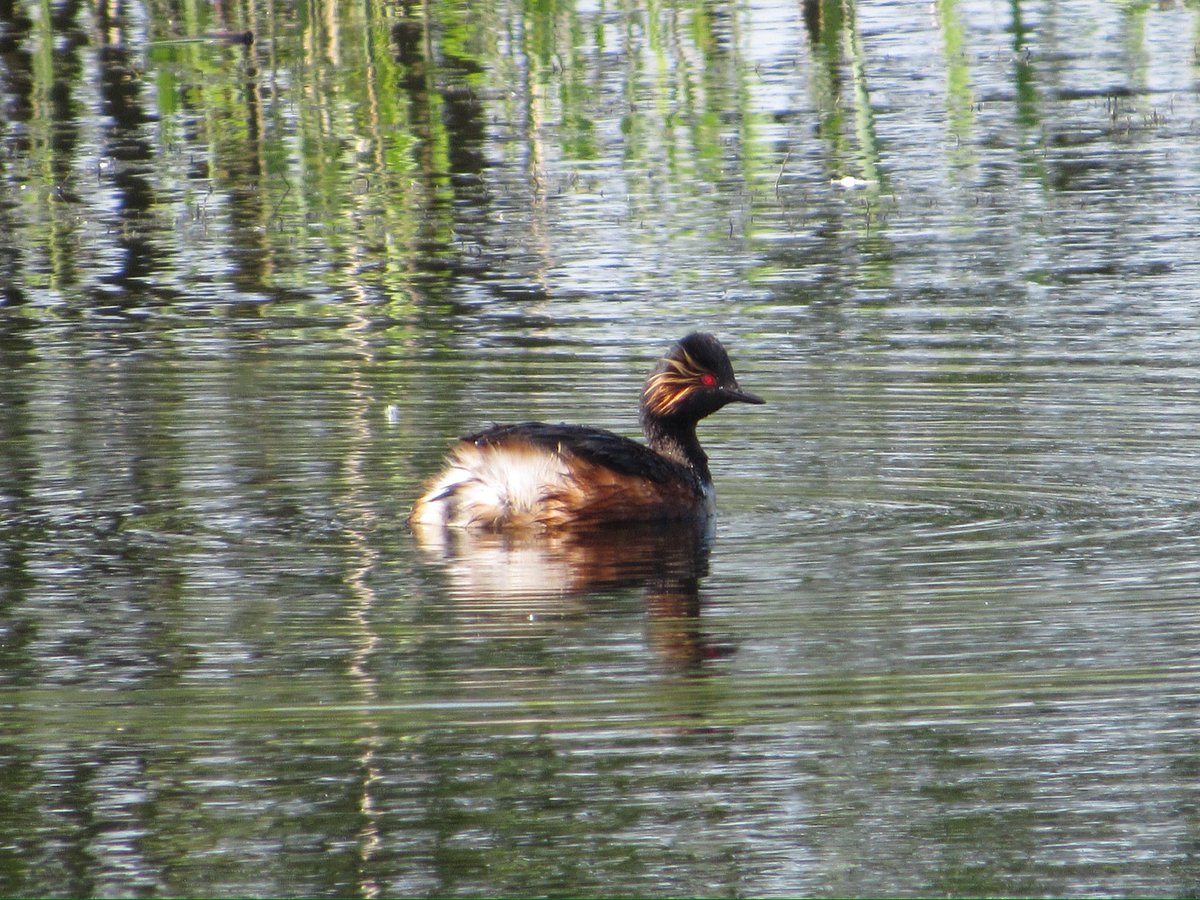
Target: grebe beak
x=735, y=393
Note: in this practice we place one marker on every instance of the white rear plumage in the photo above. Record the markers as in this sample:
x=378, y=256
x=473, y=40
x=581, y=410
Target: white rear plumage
x=488, y=485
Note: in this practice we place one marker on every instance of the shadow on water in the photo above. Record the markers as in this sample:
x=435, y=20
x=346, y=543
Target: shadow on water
x=534, y=577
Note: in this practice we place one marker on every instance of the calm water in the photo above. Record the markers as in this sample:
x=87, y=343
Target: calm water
x=943, y=638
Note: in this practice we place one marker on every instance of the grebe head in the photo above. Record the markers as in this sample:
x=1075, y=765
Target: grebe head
x=693, y=380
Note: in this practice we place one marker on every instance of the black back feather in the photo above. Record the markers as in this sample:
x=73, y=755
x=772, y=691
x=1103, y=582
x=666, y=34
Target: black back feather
x=592, y=445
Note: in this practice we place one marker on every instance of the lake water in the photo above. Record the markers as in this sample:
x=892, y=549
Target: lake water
x=943, y=637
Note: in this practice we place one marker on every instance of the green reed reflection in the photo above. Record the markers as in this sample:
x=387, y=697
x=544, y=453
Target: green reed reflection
x=960, y=98
x=357, y=133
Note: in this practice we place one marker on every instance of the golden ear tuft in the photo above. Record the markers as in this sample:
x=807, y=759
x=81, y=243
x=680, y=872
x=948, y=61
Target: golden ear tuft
x=666, y=389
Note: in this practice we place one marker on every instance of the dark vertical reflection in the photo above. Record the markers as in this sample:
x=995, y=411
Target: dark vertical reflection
x=823, y=19
x=1023, y=72
x=68, y=69
x=249, y=195
x=463, y=117
x=411, y=43
x=448, y=118
x=16, y=106
x=126, y=152
x=65, y=141
x=22, y=867
x=22, y=864
x=19, y=532
x=16, y=66
x=812, y=19
x=834, y=99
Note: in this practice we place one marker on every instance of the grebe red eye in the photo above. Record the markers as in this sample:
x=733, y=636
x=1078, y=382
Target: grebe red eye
x=708, y=379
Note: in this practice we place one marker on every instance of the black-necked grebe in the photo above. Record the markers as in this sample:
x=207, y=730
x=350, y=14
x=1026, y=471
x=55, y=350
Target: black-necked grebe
x=536, y=475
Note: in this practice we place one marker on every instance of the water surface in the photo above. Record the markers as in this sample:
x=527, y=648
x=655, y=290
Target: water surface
x=942, y=636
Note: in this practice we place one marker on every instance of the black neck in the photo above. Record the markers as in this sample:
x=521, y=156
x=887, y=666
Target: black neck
x=676, y=440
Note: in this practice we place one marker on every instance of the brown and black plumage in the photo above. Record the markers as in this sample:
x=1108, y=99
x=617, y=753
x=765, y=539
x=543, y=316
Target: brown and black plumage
x=536, y=475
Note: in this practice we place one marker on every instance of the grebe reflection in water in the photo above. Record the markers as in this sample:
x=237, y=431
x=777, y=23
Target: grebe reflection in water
x=527, y=577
